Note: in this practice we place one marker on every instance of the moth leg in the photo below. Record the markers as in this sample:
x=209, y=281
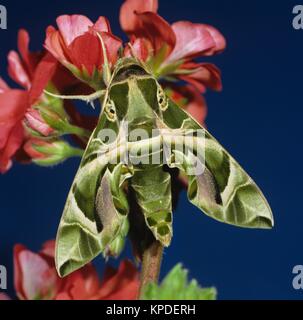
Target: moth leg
x=86, y=98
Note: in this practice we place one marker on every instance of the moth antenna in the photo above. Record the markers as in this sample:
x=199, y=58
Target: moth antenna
x=106, y=67
x=88, y=99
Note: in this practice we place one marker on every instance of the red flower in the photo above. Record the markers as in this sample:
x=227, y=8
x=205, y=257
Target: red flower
x=30, y=150
x=15, y=104
x=36, y=278
x=18, y=107
x=121, y=284
x=189, y=99
x=4, y=296
x=204, y=75
x=77, y=46
x=171, y=47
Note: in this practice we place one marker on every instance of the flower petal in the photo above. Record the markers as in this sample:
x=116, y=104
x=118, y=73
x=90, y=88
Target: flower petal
x=72, y=27
x=4, y=296
x=16, y=70
x=112, y=44
x=86, y=285
x=124, y=285
x=54, y=44
x=128, y=19
x=140, y=48
x=129, y=291
x=48, y=248
x=63, y=296
x=218, y=39
x=192, y=40
x=189, y=99
x=102, y=25
x=3, y=85
x=206, y=76
x=36, y=122
x=23, y=47
x=43, y=74
x=85, y=52
x=83, y=284
x=34, y=279
x=13, y=105
x=17, y=271
x=13, y=143
x=196, y=105
x=30, y=59
x=157, y=30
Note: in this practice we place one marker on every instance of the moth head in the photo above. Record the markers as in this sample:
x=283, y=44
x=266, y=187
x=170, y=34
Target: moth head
x=129, y=67
x=135, y=96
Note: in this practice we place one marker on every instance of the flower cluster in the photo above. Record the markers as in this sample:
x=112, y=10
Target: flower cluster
x=35, y=278
x=77, y=57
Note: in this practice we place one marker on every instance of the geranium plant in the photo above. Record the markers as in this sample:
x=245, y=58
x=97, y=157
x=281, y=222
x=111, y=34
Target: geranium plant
x=148, y=137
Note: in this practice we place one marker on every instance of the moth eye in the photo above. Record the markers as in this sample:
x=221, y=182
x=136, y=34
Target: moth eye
x=162, y=99
x=110, y=111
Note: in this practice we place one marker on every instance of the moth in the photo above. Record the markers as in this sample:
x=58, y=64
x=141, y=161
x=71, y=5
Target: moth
x=95, y=218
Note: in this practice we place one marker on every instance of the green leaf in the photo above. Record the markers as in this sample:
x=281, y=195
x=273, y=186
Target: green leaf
x=176, y=287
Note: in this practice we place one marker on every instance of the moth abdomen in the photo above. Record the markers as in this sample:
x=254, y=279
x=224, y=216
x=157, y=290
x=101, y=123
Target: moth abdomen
x=152, y=186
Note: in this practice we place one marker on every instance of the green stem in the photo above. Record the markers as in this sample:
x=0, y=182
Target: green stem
x=76, y=152
x=151, y=265
x=78, y=131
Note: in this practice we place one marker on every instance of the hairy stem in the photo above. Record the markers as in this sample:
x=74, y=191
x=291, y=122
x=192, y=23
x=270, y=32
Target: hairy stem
x=80, y=132
x=151, y=264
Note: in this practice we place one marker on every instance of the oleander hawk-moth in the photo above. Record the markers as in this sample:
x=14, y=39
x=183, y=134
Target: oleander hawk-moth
x=145, y=121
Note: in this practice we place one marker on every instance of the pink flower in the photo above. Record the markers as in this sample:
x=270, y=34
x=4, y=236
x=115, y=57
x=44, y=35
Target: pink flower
x=76, y=44
x=189, y=99
x=19, y=107
x=172, y=48
x=15, y=104
x=36, y=278
x=4, y=296
x=121, y=284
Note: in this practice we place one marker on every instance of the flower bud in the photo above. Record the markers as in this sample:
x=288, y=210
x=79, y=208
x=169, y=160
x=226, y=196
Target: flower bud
x=36, y=124
x=50, y=153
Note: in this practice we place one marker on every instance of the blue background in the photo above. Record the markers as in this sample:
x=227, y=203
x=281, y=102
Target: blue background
x=258, y=118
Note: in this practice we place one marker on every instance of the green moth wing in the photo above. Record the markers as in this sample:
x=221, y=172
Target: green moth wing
x=224, y=191
x=95, y=217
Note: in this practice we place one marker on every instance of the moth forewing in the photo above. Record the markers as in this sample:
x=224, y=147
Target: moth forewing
x=78, y=240
x=224, y=191
x=81, y=235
